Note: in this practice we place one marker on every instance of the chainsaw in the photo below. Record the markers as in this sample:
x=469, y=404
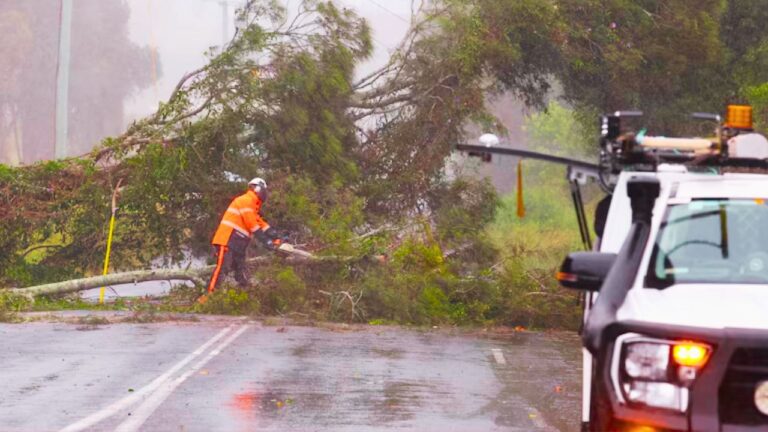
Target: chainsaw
x=289, y=249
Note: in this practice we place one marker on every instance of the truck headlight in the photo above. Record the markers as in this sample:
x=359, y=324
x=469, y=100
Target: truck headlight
x=657, y=373
x=647, y=361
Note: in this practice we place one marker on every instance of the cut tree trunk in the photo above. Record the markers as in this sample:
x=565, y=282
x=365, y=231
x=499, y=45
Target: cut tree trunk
x=75, y=285
x=196, y=275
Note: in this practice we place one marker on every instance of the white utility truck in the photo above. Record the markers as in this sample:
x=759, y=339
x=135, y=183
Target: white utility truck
x=676, y=316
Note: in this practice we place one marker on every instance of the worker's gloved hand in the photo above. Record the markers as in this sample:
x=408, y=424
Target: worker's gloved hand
x=261, y=237
x=271, y=233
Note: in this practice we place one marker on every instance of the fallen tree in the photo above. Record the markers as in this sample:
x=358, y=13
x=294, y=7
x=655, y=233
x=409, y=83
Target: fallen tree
x=75, y=285
x=194, y=275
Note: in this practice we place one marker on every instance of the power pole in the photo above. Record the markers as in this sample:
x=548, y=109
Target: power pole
x=61, y=149
x=224, y=23
x=224, y=20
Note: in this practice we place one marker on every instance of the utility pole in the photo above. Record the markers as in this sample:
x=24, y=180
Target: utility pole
x=61, y=149
x=224, y=20
x=224, y=23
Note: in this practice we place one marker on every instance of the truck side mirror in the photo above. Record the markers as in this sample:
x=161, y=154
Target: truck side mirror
x=585, y=270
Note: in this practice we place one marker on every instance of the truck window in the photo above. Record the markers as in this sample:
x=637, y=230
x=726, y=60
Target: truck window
x=711, y=241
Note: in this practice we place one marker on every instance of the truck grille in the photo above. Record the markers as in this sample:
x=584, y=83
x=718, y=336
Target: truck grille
x=748, y=367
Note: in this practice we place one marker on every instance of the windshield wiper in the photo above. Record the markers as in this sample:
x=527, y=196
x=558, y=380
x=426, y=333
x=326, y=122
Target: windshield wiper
x=690, y=217
x=723, y=231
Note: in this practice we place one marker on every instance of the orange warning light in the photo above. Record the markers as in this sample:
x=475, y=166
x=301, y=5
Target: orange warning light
x=566, y=277
x=739, y=117
x=690, y=354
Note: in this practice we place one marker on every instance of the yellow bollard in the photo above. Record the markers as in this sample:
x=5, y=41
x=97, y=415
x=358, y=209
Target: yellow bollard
x=106, y=258
x=109, y=237
x=520, y=203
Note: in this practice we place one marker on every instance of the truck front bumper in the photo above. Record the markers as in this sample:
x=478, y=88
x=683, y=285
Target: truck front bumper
x=722, y=399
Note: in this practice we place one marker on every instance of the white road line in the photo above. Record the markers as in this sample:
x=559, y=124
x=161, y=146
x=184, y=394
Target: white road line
x=135, y=397
x=145, y=410
x=499, y=356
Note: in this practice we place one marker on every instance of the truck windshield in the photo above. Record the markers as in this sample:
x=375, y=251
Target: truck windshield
x=711, y=241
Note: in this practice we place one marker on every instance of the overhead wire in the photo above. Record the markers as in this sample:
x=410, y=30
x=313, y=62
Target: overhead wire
x=395, y=14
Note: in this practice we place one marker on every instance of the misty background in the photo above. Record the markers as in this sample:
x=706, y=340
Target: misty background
x=124, y=57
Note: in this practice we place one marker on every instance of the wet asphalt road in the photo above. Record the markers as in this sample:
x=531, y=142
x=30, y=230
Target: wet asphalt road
x=223, y=374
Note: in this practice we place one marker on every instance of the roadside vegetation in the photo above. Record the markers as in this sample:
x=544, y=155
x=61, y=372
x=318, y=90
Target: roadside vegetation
x=476, y=262
x=356, y=165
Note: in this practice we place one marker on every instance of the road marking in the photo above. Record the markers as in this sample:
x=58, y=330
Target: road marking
x=135, y=397
x=145, y=410
x=499, y=356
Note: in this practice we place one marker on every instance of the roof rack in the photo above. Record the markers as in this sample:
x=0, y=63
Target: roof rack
x=734, y=145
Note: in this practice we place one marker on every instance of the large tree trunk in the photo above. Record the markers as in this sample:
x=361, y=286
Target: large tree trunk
x=196, y=275
x=70, y=286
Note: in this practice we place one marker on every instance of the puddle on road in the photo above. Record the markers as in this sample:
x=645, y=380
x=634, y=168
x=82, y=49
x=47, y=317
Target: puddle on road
x=254, y=405
x=544, y=372
x=399, y=401
x=354, y=385
x=311, y=350
x=383, y=403
x=245, y=404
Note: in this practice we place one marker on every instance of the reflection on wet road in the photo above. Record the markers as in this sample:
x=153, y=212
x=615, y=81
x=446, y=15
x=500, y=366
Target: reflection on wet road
x=231, y=375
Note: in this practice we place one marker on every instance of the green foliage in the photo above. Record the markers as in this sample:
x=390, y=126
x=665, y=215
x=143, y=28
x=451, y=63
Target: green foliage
x=26, y=273
x=227, y=301
x=281, y=289
x=435, y=303
x=270, y=120
x=71, y=302
x=415, y=255
x=531, y=251
x=6, y=173
x=757, y=96
x=328, y=214
x=665, y=58
x=292, y=289
x=13, y=302
x=420, y=285
x=462, y=209
x=557, y=130
x=345, y=157
x=10, y=305
x=532, y=248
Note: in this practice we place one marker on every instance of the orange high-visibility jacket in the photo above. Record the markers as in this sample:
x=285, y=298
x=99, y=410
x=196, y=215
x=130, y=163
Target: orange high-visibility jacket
x=241, y=216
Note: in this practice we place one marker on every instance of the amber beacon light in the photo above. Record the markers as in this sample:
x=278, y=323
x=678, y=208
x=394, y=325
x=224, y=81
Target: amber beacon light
x=690, y=354
x=739, y=117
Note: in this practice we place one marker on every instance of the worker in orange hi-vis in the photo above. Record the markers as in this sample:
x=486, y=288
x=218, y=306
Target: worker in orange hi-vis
x=241, y=220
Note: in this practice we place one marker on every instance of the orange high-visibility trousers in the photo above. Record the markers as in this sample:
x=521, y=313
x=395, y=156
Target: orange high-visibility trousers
x=230, y=258
x=221, y=252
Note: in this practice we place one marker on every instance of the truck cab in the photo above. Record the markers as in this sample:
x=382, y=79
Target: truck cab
x=676, y=321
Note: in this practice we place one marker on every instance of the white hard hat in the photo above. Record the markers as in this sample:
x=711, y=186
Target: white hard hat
x=257, y=181
x=259, y=186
